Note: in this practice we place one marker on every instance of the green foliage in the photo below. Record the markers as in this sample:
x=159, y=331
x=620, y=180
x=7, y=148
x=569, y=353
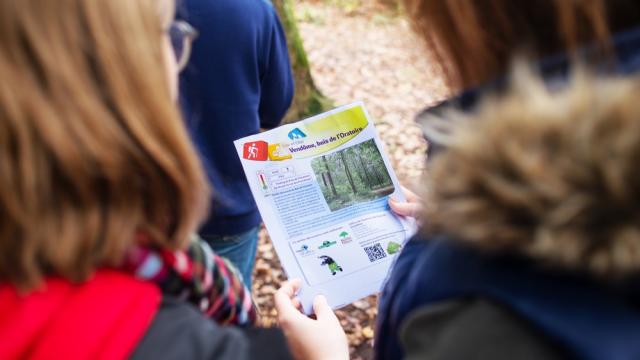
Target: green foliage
x=353, y=175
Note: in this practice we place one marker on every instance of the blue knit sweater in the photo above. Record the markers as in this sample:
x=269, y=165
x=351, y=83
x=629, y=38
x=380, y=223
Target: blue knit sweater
x=238, y=80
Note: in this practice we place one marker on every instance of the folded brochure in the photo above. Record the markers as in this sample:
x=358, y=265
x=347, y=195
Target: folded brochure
x=322, y=187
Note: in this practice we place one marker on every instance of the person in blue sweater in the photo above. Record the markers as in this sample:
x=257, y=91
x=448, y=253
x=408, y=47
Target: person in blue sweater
x=238, y=81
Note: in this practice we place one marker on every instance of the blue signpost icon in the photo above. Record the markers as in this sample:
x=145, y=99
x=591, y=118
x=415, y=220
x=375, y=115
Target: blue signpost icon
x=296, y=134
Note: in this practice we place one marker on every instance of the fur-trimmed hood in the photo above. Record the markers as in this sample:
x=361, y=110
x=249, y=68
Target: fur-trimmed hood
x=551, y=174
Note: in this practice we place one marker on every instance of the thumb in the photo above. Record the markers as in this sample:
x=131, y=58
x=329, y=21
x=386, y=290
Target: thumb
x=321, y=308
x=403, y=208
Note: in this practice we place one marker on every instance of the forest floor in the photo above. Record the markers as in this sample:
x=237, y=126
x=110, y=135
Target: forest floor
x=360, y=50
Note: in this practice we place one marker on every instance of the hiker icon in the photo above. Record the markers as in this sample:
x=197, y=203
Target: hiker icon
x=253, y=151
x=333, y=266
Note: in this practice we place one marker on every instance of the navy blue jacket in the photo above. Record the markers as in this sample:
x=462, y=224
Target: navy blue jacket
x=589, y=320
x=238, y=80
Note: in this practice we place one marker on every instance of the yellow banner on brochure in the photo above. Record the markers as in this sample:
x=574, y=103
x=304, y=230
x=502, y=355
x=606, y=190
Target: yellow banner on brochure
x=314, y=137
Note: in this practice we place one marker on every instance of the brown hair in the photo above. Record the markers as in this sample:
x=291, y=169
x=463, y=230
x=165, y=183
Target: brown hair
x=551, y=175
x=92, y=148
x=475, y=40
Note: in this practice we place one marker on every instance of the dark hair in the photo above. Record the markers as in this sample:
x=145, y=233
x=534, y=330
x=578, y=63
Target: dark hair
x=476, y=40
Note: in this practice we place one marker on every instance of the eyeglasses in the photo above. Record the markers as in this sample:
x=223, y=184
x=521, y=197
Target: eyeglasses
x=182, y=35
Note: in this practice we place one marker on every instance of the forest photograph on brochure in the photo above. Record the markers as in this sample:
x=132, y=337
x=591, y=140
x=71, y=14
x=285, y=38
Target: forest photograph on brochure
x=353, y=175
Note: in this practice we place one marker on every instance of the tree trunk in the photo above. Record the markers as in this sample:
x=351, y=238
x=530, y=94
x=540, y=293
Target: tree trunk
x=308, y=100
x=352, y=155
x=333, y=188
x=378, y=177
x=366, y=172
x=346, y=168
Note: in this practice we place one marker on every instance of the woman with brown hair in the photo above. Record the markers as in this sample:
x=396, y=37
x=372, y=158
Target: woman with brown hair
x=476, y=42
x=530, y=244
x=530, y=247
x=96, y=172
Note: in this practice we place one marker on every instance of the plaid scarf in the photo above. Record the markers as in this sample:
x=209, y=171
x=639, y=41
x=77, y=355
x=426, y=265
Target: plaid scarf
x=199, y=276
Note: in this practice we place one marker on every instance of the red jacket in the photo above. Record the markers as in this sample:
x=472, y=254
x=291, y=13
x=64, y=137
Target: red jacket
x=103, y=318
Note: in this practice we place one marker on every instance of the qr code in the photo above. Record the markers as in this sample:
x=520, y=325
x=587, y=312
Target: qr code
x=375, y=252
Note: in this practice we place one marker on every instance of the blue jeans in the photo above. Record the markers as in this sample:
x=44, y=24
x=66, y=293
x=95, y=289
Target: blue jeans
x=239, y=249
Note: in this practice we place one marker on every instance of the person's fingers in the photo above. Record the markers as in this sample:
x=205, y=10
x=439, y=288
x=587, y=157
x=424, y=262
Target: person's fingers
x=297, y=304
x=404, y=208
x=286, y=304
x=282, y=301
x=288, y=315
x=410, y=195
x=290, y=287
x=322, y=309
x=286, y=294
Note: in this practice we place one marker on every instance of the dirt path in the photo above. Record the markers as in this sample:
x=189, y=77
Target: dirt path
x=362, y=53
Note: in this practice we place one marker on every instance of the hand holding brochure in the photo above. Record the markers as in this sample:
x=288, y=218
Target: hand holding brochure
x=322, y=188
